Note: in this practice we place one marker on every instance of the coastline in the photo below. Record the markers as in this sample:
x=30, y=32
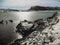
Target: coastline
x=48, y=29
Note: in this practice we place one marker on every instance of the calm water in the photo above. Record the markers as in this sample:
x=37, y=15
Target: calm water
x=26, y=15
x=7, y=31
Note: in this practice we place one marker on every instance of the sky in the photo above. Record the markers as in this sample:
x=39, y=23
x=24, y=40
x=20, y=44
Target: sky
x=26, y=4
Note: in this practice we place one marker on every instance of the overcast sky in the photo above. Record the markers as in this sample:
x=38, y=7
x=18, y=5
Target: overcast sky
x=25, y=4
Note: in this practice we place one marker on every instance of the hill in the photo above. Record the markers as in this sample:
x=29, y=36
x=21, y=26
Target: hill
x=36, y=8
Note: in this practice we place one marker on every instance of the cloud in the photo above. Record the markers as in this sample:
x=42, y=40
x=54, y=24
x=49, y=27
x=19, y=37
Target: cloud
x=28, y=3
x=21, y=2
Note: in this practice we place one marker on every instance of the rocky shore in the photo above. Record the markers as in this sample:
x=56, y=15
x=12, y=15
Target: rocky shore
x=39, y=32
x=5, y=21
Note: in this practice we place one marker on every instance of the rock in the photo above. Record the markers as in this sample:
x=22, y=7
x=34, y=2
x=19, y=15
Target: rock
x=11, y=21
x=25, y=28
x=1, y=22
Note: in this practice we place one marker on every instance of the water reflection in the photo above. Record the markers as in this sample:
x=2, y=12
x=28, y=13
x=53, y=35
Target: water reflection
x=31, y=16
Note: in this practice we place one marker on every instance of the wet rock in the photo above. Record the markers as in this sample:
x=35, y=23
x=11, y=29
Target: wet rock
x=11, y=21
x=1, y=22
x=25, y=28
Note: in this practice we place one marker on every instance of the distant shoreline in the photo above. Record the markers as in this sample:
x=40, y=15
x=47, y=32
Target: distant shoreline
x=33, y=8
x=15, y=10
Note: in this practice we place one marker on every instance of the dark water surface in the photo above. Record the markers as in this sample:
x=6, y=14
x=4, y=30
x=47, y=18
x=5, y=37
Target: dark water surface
x=7, y=31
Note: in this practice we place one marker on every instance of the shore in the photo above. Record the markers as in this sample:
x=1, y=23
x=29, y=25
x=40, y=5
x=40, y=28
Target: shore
x=38, y=37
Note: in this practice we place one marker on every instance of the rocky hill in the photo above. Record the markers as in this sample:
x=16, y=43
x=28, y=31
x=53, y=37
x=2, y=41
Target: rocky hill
x=36, y=8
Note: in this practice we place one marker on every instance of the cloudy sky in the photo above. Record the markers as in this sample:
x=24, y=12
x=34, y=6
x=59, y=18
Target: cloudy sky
x=25, y=4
